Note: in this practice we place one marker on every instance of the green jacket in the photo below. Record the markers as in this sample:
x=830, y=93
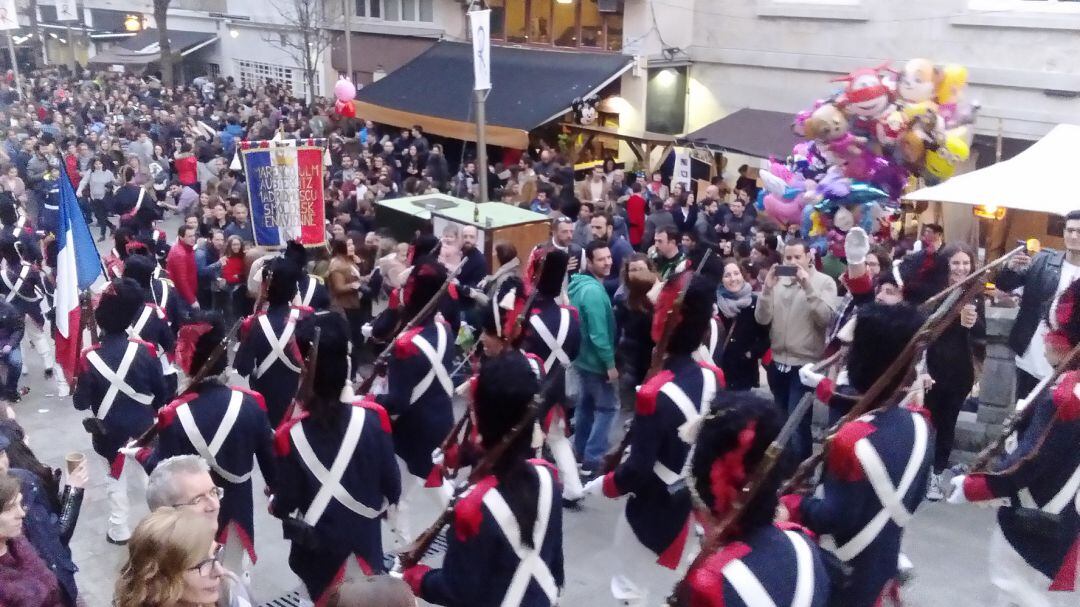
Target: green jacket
x=587, y=294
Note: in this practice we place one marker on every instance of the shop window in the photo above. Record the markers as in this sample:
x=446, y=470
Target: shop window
x=596, y=24
x=253, y=74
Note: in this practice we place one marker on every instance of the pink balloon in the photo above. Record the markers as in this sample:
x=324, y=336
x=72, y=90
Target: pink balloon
x=344, y=90
x=784, y=211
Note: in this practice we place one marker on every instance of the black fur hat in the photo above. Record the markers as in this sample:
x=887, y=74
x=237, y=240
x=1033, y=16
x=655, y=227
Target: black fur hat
x=205, y=345
x=139, y=268
x=425, y=280
x=283, y=277
x=881, y=333
x=119, y=304
x=693, y=316
x=550, y=281
x=504, y=389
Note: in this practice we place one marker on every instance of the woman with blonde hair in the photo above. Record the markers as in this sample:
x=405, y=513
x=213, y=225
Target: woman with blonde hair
x=173, y=561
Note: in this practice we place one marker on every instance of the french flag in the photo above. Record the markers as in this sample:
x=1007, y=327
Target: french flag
x=78, y=267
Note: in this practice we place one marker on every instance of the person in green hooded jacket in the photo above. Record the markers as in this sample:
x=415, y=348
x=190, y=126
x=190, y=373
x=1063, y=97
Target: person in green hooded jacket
x=597, y=403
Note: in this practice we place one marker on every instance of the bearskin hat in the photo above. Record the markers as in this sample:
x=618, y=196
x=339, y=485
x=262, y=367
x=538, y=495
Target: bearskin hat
x=332, y=366
x=139, y=268
x=505, y=387
x=1064, y=320
x=500, y=316
x=692, y=317
x=281, y=276
x=296, y=253
x=8, y=214
x=881, y=333
x=732, y=440
x=424, y=246
x=210, y=332
x=424, y=281
x=552, y=268
x=119, y=304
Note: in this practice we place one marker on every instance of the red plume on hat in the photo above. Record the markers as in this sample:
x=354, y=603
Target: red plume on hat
x=185, y=343
x=1064, y=320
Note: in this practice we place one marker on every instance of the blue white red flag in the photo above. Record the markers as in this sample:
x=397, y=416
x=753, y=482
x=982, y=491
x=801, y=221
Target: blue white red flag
x=78, y=267
x=285, y=188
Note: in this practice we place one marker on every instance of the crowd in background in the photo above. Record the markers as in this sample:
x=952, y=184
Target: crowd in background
x=137, y=152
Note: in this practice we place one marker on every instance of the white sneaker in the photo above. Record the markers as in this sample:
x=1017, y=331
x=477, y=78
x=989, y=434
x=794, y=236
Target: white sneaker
x=933, y=489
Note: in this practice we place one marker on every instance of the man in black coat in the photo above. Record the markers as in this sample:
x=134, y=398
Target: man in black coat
x=1044, y=277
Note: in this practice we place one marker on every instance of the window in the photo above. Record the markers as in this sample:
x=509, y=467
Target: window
x=253, y=74
x=595, y=24
x=408, y=11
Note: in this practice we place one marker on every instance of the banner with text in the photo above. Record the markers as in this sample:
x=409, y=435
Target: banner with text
x=285, y=190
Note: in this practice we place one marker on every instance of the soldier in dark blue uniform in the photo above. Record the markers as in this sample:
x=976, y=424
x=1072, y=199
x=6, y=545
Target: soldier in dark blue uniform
x=553, y=332
x=884, y=453
x=152, y=323
x=47, y=192
x=15, y=225
x=228, y=427
x=268, y=354
x=120, y=382
x=335, y=465
x=384, y=326
x=419, y=393
x=669, y=407
x=22, y=285
x=310, y=290
x=1035, y=550
x=505, y=535
x=757, y=555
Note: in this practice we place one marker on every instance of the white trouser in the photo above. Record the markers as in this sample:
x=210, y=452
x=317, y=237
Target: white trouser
x=564, y=459
x=41, y=340
x=633, y=558
x=413, y=489
x=119, y=505
x=1021, y=584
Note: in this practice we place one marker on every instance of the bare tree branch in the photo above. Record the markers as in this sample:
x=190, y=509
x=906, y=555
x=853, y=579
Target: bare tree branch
x=305, y=39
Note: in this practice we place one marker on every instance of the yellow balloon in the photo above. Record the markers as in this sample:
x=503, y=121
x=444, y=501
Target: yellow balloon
x=952, y=79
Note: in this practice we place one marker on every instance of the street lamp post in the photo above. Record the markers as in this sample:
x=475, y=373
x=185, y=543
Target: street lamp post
x=348, y=38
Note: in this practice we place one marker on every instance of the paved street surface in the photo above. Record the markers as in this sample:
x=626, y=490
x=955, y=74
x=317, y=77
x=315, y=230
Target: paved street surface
x=948, y=544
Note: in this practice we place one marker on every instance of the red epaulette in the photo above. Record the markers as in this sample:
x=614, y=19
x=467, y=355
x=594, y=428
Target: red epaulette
x=842, y=460
x=538, y=361
x=158, y=310
x=543, y=462
x=304, y=310
x=83, y=364
x=720, y=379
x=1066, y=403
x=451, y=290
x=646, y=396
x=707, y=580
x=259, y=399
x=369, y=403
x=395, y=299
x=245, y=325
x=167, y=415
x=573, y=311
x=469, y=512
x=149, y=346
x=281, y=435
x=404, y=346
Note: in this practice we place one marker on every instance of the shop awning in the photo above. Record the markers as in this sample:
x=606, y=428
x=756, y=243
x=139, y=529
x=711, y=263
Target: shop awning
x=530, y=87
x=143, y=48
x=758, y=133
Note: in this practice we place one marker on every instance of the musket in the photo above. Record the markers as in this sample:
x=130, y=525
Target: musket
x=1024, y=411
x=415, y=552
x=659, y=355
x=306, y=388
x=202, y=374
x=420, y=316
x=963, y=283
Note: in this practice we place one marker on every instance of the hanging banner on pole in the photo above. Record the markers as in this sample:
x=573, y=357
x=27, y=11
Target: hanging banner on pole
x=479, y=25
x=9, y=19
x=285, y=191
x=680, y=171
x=67, y=10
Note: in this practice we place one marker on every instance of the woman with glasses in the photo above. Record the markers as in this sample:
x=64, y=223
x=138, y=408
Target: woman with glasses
x=174, y=560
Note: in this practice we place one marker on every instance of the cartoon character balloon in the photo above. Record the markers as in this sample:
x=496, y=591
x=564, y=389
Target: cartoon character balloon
x=917, y=81
x=865, y=97
x=941, y=162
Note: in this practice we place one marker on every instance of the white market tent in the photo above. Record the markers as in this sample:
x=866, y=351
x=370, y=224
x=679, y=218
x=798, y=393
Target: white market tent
x=1033, y=180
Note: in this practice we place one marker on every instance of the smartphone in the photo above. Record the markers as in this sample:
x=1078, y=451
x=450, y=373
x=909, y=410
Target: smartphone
x=782, y=270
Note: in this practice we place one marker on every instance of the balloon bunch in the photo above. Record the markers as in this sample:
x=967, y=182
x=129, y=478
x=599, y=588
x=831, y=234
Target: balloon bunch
x=866, y=145
x=345, y=92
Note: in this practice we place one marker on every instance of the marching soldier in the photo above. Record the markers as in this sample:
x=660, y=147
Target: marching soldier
x=151, y=323
x=268, y=354
x=657, y=518
x=553, y=333
x=758, y=559
x=228, y=427
x=120, y=382
x=336, y=468
x=22, y=285
x=15, y=225
x=1035, y=549
x=382, y=327
x=877, y=468
x=311, y=291
x=505, y=536
x=419, y=392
